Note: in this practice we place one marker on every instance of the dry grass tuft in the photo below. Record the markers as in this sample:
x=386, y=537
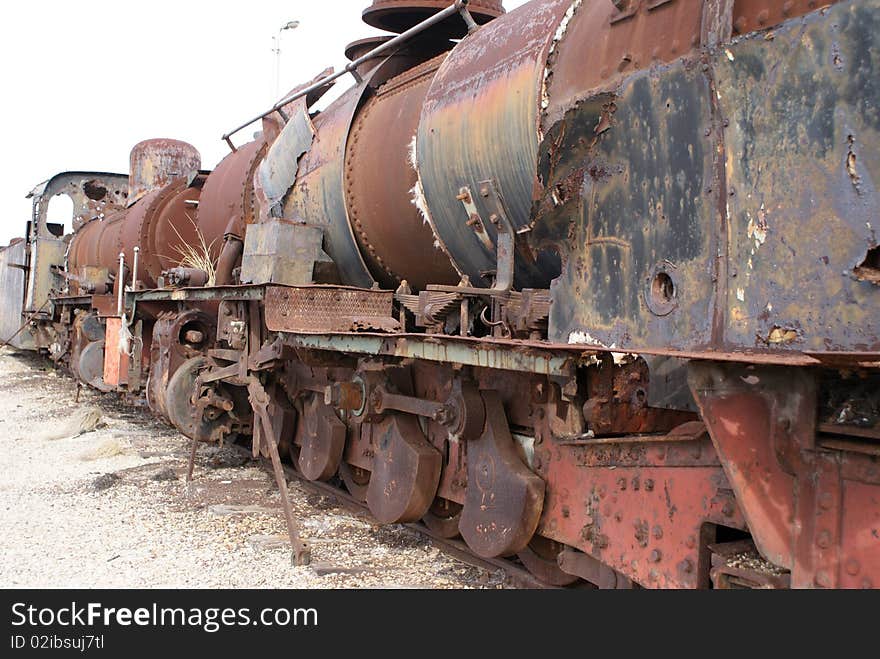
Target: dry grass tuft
x=82, y=421
x=196, y=256
x=109, y=448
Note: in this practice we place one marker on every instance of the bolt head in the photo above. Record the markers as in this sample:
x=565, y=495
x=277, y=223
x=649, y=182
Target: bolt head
x=823, y=579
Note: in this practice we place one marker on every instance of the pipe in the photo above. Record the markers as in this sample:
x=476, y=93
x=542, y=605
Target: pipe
x=230, y=256
x=120, y=283
x=458, y=7
x=134, y=269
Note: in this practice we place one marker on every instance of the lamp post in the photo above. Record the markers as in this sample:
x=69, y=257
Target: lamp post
x=290, y=25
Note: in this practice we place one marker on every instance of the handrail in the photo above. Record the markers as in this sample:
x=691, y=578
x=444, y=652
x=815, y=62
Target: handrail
x=458, y=7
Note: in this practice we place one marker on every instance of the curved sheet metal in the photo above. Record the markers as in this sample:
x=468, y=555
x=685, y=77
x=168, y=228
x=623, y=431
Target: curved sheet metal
x=228, y=194
x=380, y=180
x=481, y=121
x=277, y=173
x=317, y=198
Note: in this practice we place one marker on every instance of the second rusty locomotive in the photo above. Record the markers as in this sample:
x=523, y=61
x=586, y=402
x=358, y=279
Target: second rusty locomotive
x=592, y=284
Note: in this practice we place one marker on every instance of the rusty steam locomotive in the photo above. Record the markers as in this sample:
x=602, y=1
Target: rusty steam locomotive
x=590, y=283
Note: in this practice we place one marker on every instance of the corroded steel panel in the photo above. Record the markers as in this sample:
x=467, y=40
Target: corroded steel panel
x=616, y=41
x=803, y=169
x=811, y=510
x=94, y=195
x=630, y=203
x=281, y=253
x=46, y=256
x=12, y=281
x=116, y=360
x=639, y=508
x=277, y=173
x=328, y=309
x=751, y=15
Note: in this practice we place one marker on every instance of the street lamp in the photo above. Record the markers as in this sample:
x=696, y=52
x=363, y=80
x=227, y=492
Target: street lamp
x=290, y=25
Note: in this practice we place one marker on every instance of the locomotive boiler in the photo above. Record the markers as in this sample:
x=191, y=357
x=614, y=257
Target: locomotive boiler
x=588, y=284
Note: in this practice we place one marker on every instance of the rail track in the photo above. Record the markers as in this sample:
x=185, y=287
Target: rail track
x=517, y=575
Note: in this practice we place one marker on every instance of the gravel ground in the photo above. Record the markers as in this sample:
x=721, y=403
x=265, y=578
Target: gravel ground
x=110, y=509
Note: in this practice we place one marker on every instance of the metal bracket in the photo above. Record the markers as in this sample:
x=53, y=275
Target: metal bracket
x=466, y=15
x=506, y=241
x=474, y=221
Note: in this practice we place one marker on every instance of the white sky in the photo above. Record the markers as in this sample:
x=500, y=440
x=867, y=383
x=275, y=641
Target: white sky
x=85, y=81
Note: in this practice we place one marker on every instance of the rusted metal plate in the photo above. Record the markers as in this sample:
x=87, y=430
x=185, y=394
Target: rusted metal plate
x=328, y=309
x=504, y=499
x=320, y=436
x=751, y=15
x=12, y=289
x=811, y=510
x=46, y=256
x=803, y=164
x=639, y=508
x=503, y=355
x=617, y=39
x=649, y=187
x=628, y=179
x=405, y=471
x=116, y=357
x=481, y=121
x=278, y=252
x=317, y=197
x=94, y=195
x=277, y=172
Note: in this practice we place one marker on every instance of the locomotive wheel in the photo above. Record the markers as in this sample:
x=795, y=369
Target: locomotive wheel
x=356, y=480
x=321, y=439
x=504, y=498
x=180, y=403
x=290, y=444
x=406, y=471
x=443, y=518
x=540, y=558
x=293, y=454
x=91, y=366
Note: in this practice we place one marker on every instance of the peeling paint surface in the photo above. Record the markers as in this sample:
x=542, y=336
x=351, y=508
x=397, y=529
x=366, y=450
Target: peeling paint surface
x=803, y=165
